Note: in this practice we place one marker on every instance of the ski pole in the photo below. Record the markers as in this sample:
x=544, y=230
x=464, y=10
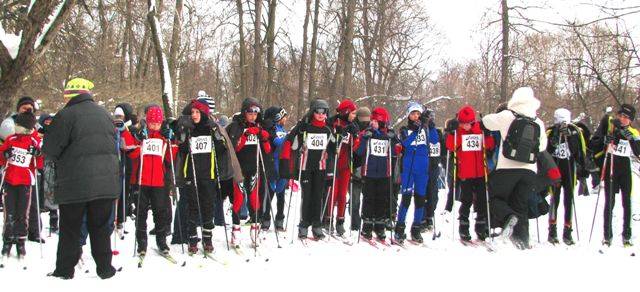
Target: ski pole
x=195, y=185
x=333, y=183
x=571, y=190
x=35, y=175
x=486, y=188
x=351, y=186
x=135, y=242
x=301, y=160
x=175, y=185
x=455, y=174
x=267, y=193
x=602, y=173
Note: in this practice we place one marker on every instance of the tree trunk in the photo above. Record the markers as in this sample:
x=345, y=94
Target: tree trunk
x=257, y=51
x=175, y=42
x=163, y=65
x=242, y=48
x=303, y=59
x=504, y=69
x=382, y=27
x=368, y=49
x=314, y=46
x=348, y=49
x=271, y=36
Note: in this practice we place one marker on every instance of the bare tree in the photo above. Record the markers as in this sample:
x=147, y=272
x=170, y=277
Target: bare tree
x=303, y=59
x=257, y=51
x=163, y=65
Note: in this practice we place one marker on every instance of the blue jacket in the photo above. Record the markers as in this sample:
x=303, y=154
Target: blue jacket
x=375, y=152
x=277, y=184
x=415, y=149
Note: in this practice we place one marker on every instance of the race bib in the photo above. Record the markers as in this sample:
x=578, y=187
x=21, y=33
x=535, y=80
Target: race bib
x=472, y=142
x=622, y=149
x=200, y=144
x=421, y=138
x=562, y=151
x=20, y=157
x=152, y=147
x=379, y=147
x=252, y=140
x=316, y=141
x=346, y=138
x=434, y=150
x=281, y=135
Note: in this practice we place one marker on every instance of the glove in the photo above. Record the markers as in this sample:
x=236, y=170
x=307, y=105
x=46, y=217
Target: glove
x=351, y=128
x=185, y=122
x=452, y=126
x=608, y=139
x=398, y=149
x=367, y=134
x=7, y=153
x=140, y=134
x=264, y=136
x=34, y=151
x=166, y=132
x=391, y=134
x=431, y=124
x=118, y=124
x=252, y=131
x=626, y=134
x=329, y=180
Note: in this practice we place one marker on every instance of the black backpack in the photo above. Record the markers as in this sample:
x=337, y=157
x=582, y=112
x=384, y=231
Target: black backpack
x=523, y=139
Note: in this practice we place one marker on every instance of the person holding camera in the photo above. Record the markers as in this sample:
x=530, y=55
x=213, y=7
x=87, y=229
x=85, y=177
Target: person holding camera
x=416, y=138
x=567, y=147
x=617, y=141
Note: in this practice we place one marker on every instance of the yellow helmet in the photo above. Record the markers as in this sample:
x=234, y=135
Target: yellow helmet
x=77, y=86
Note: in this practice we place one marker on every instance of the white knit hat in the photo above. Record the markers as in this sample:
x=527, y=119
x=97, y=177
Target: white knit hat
x=414, y=106
x=562, y=115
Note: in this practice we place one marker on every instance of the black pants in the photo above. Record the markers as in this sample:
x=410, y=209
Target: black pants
x=16, y=202
x=34, y=216
x=375, y=202
x=157, y=199
x=313, y=189
x=509, y=191
x=473, y=192
x=181, y=222
x=201, y=205
x=432, y=191
x=356, y=187
x=567, y=187
x=98, y=214
x=266, y=208
x=621, y=182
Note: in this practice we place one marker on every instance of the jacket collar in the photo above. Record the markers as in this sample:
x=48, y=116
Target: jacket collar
x=78, y=99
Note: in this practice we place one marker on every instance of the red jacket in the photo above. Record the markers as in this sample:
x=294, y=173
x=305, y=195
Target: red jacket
x=20, y=165
x=470, y=146
x=343, y=156
x=153, y=167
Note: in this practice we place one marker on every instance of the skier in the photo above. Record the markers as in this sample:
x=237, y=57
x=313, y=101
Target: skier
x=378, y=142
x=248, y=136
x=18, y=154
x=125, y=142
x=435, y=158
x=415, y=138
x=153, y=158
x=567, y=146
x=275, y=121
x=617, y=141
x=469, y=141
x=346, y=134
x=200, y=151
x=363, y=118
x=313, y=139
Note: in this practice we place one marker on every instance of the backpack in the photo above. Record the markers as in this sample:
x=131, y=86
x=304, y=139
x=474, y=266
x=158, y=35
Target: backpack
x=523, y=140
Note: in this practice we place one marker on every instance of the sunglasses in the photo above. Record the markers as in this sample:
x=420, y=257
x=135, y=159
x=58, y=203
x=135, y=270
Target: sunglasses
x=320, y=111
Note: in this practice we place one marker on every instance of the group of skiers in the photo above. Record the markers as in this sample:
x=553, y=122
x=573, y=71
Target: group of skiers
x=349, y=163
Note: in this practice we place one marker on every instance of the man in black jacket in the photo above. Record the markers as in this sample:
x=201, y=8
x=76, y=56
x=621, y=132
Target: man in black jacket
x=81, y=140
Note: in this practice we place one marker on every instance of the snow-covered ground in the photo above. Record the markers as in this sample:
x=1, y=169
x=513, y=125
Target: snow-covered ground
x=442, y=264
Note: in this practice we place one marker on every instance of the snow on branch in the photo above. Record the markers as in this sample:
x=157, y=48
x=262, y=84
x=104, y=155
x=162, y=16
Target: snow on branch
x=50, y=21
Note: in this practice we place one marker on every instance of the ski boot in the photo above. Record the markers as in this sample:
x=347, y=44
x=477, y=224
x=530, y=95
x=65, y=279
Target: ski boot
x=279, y=224
x=141, y=238
x=481, y=231
x=152, y=231
x=161, y=242
x=193, y=245
x=20, y=248
x=6, y=247
x=566, y=236
x=340, y=227
x=317, y=232
x=553, y=234
x=235, y=235
x=507, y=229
x=399, y=235
x=254, y=233
x=626, y=242
x=303, y=232
x=606, y=242
x=206, y=240
x=266, y=224
x=380, y=231
x=463, y=230
x=427, y=225
x=326, y=224
x=415, y=234
x=53, y=223
x=35, y=238
x=367, y=229
x=388, y=224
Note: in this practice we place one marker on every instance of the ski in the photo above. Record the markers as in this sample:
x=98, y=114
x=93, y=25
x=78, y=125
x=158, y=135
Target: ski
x=370, y=242
x=416, y=243
x=304, y=241
x=398, y=243
x=383, y=242
x=166, y=256
x=488, y=246
x=215, y=259
x=342, y=239
x=468, y=243
x=237, y=249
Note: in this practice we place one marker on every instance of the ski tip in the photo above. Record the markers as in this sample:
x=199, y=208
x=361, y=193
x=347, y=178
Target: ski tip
x=266, y=260
x=633, y=254
x=184, y=264
x=247, y=260
x=119, y=269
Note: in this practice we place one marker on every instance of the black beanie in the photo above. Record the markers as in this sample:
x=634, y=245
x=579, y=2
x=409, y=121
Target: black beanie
x=26, y=100
x=26, y=120
x=628, y=110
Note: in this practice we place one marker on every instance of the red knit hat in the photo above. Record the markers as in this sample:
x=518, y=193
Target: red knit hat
x=467, y=115
x=200, y=105
x=154, y=115
x=346, y=106
x=380, y=114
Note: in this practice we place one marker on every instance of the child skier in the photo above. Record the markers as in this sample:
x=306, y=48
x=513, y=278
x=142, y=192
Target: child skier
x=18, y=156
x=275, y=120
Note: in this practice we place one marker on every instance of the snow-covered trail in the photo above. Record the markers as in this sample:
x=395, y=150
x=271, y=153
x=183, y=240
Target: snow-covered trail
x=442, y=264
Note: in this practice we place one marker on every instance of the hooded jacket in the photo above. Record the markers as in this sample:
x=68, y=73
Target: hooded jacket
x=524, y=103
x=469, y=147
